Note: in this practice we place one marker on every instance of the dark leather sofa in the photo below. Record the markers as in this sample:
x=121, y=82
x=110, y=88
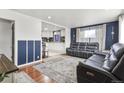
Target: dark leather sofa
x=83, y=50
x=103, y=67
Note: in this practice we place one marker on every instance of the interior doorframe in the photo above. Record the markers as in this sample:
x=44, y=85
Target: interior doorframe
x=13, y=38
x=13, y=41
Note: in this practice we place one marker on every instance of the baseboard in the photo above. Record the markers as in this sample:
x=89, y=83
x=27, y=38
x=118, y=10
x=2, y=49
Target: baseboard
x=28, y=64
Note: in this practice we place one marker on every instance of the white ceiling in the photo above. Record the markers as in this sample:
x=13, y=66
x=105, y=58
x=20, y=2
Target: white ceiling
x=50, y=27
x=74, y=17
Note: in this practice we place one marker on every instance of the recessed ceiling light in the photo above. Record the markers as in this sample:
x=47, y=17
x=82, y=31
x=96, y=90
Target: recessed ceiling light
x=49, y=17
x=45, y=29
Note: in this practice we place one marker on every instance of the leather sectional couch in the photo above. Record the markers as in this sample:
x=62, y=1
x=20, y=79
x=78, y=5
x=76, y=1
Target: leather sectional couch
x=103, y=67
x=83, y=49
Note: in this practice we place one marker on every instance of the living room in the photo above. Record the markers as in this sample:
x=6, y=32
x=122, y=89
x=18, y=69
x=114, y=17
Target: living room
x=54, y=46
x=63, y=46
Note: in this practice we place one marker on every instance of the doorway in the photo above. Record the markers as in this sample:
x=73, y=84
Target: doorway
x=7, y=37
x=53, y=39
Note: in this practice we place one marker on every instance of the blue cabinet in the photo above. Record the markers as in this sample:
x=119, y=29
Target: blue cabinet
x=37, y=50
x=30, y=51
x=21, y=52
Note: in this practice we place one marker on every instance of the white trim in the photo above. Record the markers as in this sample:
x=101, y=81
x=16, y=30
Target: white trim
x=104, y=38
x=23, y=14
x=121, y=19
x=34, y=50
x=53, y=23
x=26, y=51
x=77, y=34
x=31, y=63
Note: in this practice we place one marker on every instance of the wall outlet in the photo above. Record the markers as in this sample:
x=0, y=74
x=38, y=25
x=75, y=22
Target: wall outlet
x=38, y=57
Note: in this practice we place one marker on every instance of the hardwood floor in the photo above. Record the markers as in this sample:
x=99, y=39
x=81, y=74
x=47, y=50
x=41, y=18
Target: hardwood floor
x=37, y=76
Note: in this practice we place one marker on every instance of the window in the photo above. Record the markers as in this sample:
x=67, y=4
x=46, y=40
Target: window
x=90, y=33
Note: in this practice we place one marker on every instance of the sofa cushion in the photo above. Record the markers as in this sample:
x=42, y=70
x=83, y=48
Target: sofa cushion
x=109, y=54
x=90, y=50
x=114, y=56
x=81, y=47
x=91, y=47
x=118, y=71
x=118, y=50
x=73, y=45
x=110, y=63
x=94, y=63
x=97, y=58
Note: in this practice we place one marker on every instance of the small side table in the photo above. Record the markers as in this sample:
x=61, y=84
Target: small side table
x=45, y=53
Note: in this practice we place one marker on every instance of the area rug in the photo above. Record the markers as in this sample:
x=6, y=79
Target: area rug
x=18, y=77
x=61, y=71
x=22, y=77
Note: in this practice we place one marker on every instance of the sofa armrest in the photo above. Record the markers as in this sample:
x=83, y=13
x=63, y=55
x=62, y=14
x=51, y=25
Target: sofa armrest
x=100, y=53
x=94, y=74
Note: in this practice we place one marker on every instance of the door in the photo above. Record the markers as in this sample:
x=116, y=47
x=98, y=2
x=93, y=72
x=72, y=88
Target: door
x=111, y=34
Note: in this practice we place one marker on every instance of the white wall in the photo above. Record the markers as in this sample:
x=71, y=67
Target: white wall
x=67, y=37
x=5, y=38
x=50, y=33
x=58, y=47
x=121, y=29
x=47, y=34
x=29, y=28
x=26, y=27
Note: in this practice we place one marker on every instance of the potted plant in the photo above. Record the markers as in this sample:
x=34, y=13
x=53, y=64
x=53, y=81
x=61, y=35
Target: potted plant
x=2, y=76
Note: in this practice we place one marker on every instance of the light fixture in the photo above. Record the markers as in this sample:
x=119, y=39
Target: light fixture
x=49, y=17
x=45, y=29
